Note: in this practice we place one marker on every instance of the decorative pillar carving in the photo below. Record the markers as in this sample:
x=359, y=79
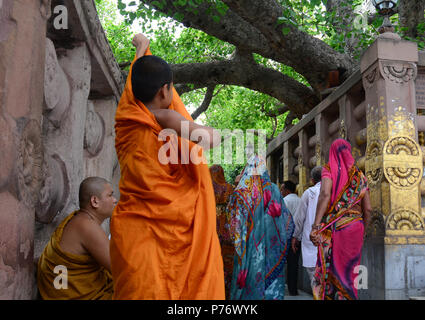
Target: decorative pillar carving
x=393, y=156
x=394, y=166
x=94, y=133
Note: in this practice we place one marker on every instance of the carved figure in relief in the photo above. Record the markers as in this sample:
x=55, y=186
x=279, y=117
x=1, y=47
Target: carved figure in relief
x=94, y=134
x=29, y=163
x=57, y=90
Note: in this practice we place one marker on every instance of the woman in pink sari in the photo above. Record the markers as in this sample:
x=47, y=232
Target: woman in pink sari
x=342, y=216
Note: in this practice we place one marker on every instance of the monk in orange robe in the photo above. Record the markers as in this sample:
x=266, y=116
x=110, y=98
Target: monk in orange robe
x=75, y=264
x=164, y=243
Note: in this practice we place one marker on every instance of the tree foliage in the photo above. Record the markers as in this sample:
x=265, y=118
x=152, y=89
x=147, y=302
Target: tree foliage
x=254, y=64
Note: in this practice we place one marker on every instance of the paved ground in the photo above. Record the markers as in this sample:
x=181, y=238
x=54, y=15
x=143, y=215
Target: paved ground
x=301, y=295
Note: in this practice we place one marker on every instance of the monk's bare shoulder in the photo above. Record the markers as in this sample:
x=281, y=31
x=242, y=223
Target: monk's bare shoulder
x=72, y=240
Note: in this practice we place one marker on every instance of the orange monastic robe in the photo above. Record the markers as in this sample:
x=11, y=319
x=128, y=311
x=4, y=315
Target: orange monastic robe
x=164, y=243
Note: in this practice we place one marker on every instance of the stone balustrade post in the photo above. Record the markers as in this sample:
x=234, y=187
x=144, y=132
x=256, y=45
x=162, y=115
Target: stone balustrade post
x=395, y=248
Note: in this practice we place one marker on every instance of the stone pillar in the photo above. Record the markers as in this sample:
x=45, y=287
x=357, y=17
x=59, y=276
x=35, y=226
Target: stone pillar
x=322, y=141
x=289, y=162
x=22, y=34
x=395, y=250
x=303, y=160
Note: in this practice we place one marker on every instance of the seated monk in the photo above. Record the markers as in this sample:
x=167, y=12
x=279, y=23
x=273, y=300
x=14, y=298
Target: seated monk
x=76, y=263
x=164, y=242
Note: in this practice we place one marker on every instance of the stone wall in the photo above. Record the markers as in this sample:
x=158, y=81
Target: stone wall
x=59, y=88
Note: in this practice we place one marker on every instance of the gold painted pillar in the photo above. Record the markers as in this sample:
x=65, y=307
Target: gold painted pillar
x=303, y=160
x=393, y=160
x=393, y=156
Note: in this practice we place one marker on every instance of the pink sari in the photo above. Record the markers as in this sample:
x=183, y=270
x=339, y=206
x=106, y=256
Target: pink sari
x=341, y=234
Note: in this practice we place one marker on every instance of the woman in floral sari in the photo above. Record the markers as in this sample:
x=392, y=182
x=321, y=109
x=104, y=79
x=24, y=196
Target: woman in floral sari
x=262, y=228
x=342, y=215
x=223, y=191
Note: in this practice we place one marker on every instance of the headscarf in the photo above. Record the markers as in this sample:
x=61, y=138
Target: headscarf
x=261, y=228
x=340, y=163
x=222, y=189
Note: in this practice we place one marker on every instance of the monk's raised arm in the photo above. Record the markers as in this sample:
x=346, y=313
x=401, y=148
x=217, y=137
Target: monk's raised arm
x=141, y=42
x=206, y=137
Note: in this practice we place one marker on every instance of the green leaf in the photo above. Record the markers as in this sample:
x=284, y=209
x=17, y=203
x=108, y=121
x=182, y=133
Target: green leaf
x=216, y=18
x=286, y=30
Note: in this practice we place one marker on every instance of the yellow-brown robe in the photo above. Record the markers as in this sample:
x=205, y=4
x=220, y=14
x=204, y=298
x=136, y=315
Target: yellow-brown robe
x=86, y=279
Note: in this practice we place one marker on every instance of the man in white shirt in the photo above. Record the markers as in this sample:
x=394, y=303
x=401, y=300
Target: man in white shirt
x=304, y=218
x=292, y=202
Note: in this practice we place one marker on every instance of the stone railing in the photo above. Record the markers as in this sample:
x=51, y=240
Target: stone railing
x=380, y=110
x=293, y=153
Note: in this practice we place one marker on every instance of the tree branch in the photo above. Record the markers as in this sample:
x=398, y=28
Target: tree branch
x=251, y=25
x=205, y=104
x=183, y=88
x=309, y=56
x=272, y=114
x=242, y=72
x=411, y=13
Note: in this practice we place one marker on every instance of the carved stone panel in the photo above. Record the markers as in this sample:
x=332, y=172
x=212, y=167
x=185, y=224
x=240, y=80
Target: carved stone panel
x=404, y=221
x=30, y=160
x=373, y=165
x=370, y=77
x=398, y=72
x=403, y=162
x=54, y=190
x=94, y=134
x=57, y=91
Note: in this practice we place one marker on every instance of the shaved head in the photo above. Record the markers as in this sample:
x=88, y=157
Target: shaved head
x=92, y=186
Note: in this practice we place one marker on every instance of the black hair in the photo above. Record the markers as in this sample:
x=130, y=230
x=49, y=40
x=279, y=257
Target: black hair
x=289, y=185
x=149, y=74
x=316, y=174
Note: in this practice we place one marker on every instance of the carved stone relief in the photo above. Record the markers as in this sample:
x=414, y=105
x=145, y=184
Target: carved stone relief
x=94, y=134
x=404, y=221
x=398, y=72
x=57, y=91
x=30, y=160
x=370, y=77
x=402, y=162
x=54, y=191
x=374, y=171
